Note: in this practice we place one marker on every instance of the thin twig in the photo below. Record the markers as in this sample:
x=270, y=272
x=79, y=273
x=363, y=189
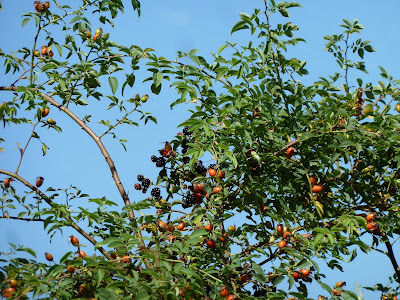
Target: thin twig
x=26, y=146
x=54, y=205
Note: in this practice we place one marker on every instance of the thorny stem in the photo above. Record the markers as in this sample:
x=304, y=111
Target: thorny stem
x=26, y=146
x=53, y=205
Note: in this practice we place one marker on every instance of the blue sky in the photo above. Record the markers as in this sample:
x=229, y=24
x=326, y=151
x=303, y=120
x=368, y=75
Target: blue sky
x=169, y=26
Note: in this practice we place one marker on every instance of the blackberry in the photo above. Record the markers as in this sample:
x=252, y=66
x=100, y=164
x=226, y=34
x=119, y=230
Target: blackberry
x=146, y=183
x=155, y=192
x=212, y=166
x=160, y=162
x=184, y=143
x=186, y=159
x=138, y=186
x=184, y=150
x=199, y=168
x=154, y=158
x=140, y=177
x=189, y=200
x=260, y=293
x=207, y=289
x=144, y=190
x=186, y=131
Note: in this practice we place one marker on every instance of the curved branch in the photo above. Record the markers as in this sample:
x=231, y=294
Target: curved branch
x=97, y=140
x=52, y=204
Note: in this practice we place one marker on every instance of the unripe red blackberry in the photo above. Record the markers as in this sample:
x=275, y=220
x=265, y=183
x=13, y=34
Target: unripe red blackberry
x=154, y=158
x=138, y=186
x=155, y=192
x=160, y=162
x=140, y=177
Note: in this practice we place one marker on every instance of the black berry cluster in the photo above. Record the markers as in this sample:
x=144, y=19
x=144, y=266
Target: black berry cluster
x=188, y=201
x=186, y=131
x=160, y=162
x=145, y=183
x=200, y=168
x=155, y=192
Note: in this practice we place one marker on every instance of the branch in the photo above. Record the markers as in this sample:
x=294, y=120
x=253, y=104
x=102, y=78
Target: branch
x=52, y=204
x=213, y=77
x=97, y=140
x=287, y=146
x=22, y=219
x=26, y=146
x=118, y=123
x=390, y=254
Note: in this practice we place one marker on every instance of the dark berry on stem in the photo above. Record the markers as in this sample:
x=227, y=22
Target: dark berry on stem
x=140, y=177
x=146, y=183
x=155, y=192
x=154, y=158
x=160, y=162
x=184, y=143
x=186, y=131
x=212, y=166
x=186, y=159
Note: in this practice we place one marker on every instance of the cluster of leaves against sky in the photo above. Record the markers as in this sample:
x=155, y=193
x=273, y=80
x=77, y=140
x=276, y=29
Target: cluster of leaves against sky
x=311, y=170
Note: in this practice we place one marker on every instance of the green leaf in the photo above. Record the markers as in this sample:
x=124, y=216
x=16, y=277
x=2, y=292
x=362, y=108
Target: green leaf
x=157, y=78
x=26, y=20
x=100, y=276
x=353, y=255
x=239, y=26
x=113, y=81
x=198, y=232
x=142, y=296
x=278, y=280
x=189, y=272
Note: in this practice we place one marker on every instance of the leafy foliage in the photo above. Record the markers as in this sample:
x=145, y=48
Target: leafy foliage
x=269, y=136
